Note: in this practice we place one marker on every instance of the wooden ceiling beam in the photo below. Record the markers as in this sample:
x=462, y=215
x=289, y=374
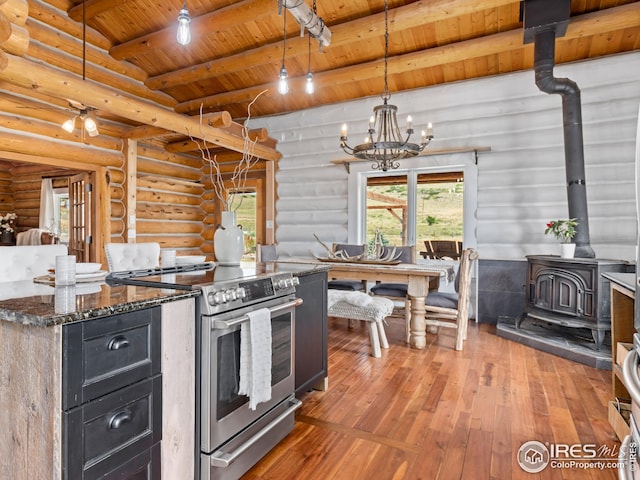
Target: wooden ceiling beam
x=93, y=8
x=616, y=18
x=370, y=27
x=39, y=77
x=210, y=23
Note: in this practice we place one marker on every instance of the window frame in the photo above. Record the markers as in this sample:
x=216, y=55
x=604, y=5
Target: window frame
x=357, y=192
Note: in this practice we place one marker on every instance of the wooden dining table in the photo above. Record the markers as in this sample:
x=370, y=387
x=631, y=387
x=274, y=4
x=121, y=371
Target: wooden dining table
x=420, y=278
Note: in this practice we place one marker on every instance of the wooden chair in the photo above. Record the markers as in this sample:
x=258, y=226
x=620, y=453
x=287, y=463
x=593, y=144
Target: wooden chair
x=451, y=310
x=398, y=291
x=267, y=253
x=441, y=249
x=349, y=285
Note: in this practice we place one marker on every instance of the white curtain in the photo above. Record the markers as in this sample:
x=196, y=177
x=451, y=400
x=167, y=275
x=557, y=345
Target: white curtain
x=47, y=219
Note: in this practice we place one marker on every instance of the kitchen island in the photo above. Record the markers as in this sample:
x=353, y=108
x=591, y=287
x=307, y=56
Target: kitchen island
x=61, y=397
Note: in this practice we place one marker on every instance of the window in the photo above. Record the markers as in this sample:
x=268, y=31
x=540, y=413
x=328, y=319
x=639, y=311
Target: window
x=61, y=213
x=246, y=217
x=436, y=200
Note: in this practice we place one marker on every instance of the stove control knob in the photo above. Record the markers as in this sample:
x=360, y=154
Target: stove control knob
x=281, y=283
x=231, y=294
x=211, y=298
x=296, y=281
x=219, y=297
x=241, y=293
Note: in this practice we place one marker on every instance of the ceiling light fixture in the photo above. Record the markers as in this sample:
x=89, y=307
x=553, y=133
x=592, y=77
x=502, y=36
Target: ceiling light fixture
x=184, y=33
x=308, y=87
x=87, y=119
x=388, y=145
x=283, y=84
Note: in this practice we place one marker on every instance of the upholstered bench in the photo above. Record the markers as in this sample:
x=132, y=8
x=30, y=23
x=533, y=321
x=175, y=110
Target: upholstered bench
x=360, y=306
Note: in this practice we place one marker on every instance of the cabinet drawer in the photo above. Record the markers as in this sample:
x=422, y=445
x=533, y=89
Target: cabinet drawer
x=145, y=466
x=105, y=354
x=105, y=434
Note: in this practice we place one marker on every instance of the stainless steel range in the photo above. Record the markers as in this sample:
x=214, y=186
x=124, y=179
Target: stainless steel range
x=234, y=437
x=231, y=437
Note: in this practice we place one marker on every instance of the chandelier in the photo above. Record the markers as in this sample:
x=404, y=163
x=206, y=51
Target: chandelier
x=384, y=144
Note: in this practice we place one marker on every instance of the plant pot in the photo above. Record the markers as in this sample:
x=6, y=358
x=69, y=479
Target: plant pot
x=228, y=241
x=6, y=237
x=567, y=250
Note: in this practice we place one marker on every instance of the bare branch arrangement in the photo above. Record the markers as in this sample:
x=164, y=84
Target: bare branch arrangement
x=379, y=255
x=240, y=172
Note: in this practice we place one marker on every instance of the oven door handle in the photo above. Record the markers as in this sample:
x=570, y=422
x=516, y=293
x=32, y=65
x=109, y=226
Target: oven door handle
x=225, y=324
x=220, y=459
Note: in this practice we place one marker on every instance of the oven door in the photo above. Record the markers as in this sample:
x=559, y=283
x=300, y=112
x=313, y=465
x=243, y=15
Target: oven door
x=225, y=413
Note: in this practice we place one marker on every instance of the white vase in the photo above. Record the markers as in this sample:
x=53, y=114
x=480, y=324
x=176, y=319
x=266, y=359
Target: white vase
x=228, y=241
x=567, y=250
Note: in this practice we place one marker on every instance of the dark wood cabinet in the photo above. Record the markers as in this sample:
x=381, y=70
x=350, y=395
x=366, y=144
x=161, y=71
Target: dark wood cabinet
x=311, y=333
x=112, y=397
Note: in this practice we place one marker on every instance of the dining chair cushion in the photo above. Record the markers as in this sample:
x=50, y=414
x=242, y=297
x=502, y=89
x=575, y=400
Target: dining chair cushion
x=442, y=299
x=350, y=285
x=23, y=262
x=390, y=289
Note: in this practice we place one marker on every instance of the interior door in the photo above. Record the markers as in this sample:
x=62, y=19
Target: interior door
x=80, y=216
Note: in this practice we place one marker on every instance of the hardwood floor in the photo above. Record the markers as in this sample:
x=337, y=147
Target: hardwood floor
x=441, y=414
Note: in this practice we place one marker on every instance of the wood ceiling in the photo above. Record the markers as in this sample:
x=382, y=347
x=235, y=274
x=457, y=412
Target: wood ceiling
x=237, y=46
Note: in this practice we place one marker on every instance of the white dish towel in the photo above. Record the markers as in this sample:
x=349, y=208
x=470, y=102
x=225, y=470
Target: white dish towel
x=255, y=357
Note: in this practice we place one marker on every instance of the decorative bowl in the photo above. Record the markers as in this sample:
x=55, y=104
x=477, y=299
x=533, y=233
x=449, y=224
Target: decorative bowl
x=83, y=268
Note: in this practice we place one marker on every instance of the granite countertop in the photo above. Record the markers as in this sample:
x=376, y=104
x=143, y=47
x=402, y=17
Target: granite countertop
x=42, y=305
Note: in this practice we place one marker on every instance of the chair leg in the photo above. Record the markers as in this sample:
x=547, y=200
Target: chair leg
x=375, y=340
x=384, y=343
x=461, y=333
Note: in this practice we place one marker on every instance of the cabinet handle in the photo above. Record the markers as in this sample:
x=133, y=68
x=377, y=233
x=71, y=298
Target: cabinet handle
x=118, y=342
x=118, y=419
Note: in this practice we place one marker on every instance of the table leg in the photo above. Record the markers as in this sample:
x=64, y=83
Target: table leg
x=418, y=336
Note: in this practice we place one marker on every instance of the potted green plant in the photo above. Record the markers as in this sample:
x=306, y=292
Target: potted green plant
x=564, y=230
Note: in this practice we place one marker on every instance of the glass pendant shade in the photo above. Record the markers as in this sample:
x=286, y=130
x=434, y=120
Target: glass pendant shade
x=70, y=124
x=184, y=33
x=90, y=126
x=308, y=87
x=283, y=84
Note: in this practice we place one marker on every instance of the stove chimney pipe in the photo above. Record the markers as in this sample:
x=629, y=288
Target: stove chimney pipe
x=543, y=21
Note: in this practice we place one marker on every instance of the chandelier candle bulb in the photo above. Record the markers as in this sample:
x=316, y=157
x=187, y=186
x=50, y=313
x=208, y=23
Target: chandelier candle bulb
x=409, y=123
x=343, y=132
x=429, y=130
x=372, y=122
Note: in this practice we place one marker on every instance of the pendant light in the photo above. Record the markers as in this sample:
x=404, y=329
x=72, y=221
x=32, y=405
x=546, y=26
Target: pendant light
x=85, y=114
x=283, y=84
x=309, y=87
x=184, y=33
x=384, y=144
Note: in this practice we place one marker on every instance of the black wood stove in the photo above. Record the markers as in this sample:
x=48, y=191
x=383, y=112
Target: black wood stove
x=570, y=292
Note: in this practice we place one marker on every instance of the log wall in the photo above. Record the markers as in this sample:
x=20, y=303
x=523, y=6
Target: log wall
x=521, y=182
x=149, y=192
